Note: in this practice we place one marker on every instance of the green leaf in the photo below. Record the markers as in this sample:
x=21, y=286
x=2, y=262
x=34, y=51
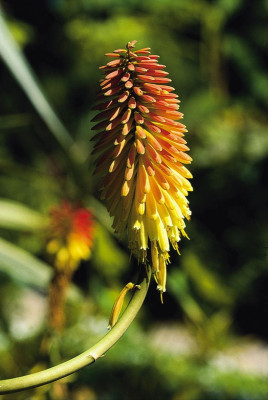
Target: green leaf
x=178, y=285
x=19, y=67
x=101, y=213
x=107, y=257
x=17, y=216
x=23, y=267
x=206, y=282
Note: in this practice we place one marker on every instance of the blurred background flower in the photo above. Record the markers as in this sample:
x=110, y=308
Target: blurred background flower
x=209, y=339
x=70, y=235
x=70, y=239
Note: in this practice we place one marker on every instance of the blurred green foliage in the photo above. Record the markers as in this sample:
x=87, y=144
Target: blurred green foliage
x=209, y=339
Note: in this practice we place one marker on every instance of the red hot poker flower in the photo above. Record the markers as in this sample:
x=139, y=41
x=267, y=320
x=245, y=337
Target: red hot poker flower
x=141, y=155
x=70, y=235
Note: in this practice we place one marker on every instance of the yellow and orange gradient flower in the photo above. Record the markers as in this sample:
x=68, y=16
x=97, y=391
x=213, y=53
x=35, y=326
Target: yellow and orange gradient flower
x=141, y=155
x=70, y=235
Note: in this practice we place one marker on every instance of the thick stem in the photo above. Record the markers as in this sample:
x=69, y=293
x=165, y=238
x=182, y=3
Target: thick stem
x=90, y=355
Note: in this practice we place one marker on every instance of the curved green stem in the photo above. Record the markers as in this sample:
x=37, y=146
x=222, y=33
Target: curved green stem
x=90, y=355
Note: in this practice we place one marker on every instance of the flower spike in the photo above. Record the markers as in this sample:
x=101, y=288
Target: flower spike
x=141, y=155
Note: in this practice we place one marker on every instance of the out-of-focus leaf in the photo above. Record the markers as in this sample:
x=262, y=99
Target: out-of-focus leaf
x=101, y=213
x=23, y=33
x=178, y=285
x=17, y=216
x=205, y=281
x=14, y=121
x=107, y=256
x=22, y=266
x=26, y=269
x=18, y=65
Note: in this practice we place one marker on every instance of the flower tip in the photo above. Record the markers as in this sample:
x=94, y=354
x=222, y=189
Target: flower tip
x=130, y=45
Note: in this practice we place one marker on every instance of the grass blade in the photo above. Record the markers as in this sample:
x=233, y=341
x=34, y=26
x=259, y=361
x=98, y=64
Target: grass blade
x=20, y=68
